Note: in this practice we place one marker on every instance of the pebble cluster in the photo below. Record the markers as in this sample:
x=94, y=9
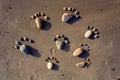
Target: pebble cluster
x=22, y=47
x=60, y=41
x=68, y=15
x=40, y=23
x=92, y=32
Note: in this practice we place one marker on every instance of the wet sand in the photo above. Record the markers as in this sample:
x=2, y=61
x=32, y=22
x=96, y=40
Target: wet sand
x=15, y=22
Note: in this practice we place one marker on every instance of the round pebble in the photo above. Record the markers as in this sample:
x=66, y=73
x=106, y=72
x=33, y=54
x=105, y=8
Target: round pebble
x=96, y=36
x=73, y=9
x=17, y=42
x=36, y=15
x=64, y=8
x=32, y=17
x=57, y=36
x=20, y=39
x=77, y=16
x=96, y=32
x=30, y=41
x=84, y=44
x=42, y=14
x=76, y=12
x=61, y=35
x=94, y=29
x=16, y=47
x=46, y=17
x=54, y=39
x=90, y=27
x=69, y=8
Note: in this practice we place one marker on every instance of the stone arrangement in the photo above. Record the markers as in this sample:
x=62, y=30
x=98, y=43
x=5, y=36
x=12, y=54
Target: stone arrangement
x=60, y=39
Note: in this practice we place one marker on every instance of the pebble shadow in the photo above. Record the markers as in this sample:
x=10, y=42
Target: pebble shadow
x=85, y=54
x=34, y=52
x=74, y=19
x=55, y=67
x=47, y=25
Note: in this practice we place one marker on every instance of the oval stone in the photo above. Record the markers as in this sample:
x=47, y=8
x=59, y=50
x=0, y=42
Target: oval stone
x=49, y=65
x=88, y=34
x=77, y=52
x=66, y=17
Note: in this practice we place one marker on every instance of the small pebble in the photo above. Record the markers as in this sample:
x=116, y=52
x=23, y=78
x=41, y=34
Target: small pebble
x=66, y=41
x=64, y=8
x=46, y=17
x=57, y=36
x=25, y=38
x=30, y=41
x=94, y=29
x=17, y=42
x=32, y=17
x=96, y=32
x=84, y=44
x=77, y=16
x=96, y=36
x=90, y=27
x=73, y=9
x=69, y=8
x=81, y=44
x=20, y=39
x=36, y=15
x=76, y=12
x=42, y=14
x=61, y=35
x=16, y=47
x=54, y=39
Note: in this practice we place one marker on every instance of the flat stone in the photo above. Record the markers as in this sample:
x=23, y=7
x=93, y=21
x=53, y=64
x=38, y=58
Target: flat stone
x=49, y=65
x=66, y=17
x=77, y=52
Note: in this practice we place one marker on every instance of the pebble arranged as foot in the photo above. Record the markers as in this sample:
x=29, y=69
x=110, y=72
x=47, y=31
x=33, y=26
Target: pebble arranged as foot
x=60, y=41
x=91, y=33
x=40, y=23
x=25, y=49
x=70, y=13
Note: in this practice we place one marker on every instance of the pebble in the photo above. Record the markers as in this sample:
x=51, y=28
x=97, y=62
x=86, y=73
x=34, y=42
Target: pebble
x=66, y=17
x=66, y=41
x=61, y=35
x=25, y=49
x=69, y=9
x=42, y=14
x=17, y=42
x=90, y=27
x=64, y=8
x=94, y=29
x=36, y=14
x=84, y=44
x=77, y=52
x=73, y=9
x=20, y=39
x=60, y=44
x=77, y=16
x=16, y=47
x=30, y=41
x=46, y=17
x=96, y=36
x=81, y=44
x=32, y=17
x=88, y=34
x=96, y=32
x=25, y=38
x=54, y=39
x=49, y=65
x=57, y=36
x=76, y=12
